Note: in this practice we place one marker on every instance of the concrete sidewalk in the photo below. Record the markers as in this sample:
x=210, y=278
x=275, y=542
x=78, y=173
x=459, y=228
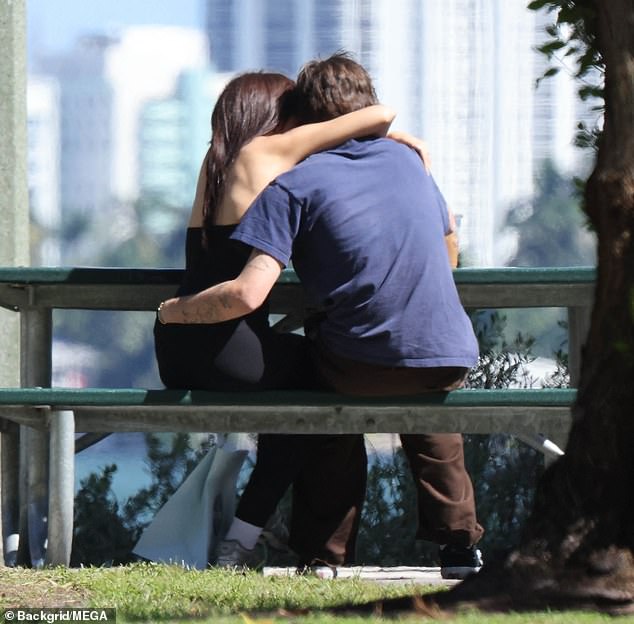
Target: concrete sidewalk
x=398, y=574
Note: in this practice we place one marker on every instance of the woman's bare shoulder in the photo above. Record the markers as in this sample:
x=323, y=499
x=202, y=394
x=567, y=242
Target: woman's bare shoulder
x=264, y=146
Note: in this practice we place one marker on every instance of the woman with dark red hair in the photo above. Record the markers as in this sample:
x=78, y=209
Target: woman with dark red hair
x=255, y=138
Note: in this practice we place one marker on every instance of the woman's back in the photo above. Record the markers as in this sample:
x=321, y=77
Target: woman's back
x=265, y=157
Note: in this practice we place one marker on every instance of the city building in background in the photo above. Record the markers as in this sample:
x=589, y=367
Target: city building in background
x=134, y=105
x=476, y=107
x=276, y=35
x=174, y=135
x=112, y=118
x=145, y=65
x=104, y=84
x=43, y=118
x=460, y=73
x=85, y=131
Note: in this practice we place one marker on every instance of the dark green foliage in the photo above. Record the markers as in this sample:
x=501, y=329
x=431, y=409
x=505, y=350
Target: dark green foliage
x=573, y=29
x=74, y=227
x=587, y=137
x=560, y=378
x=102, y=535
x=500, y=364
x=554, y=215
x=168, y=467
x=387, y=535
x=552, y=231
x=105, y=532
x=572, y=35
x=124, y=340
x=504, y=470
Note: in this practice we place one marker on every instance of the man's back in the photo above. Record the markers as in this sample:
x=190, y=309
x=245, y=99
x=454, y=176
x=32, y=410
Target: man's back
x=366, y=226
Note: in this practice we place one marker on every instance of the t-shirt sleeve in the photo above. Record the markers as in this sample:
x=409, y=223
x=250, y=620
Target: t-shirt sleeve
x=271, y=223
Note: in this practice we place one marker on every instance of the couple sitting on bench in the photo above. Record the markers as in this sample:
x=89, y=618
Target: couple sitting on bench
x=308, y=171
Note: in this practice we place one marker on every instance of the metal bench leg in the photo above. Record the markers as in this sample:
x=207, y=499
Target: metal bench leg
x=561, y=440
x=541, y=443
x=24, y=557
x=9, y=452
x=37, y=494
x=552, y=446
x=35, y=370
x=61, y=488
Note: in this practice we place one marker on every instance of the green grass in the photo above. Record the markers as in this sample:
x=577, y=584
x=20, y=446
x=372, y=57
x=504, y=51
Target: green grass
x=158, y=593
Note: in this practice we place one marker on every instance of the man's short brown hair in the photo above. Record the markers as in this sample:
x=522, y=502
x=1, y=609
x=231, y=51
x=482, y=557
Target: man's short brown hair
x=332, y=87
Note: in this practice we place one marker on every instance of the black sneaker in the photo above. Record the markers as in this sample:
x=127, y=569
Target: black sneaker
x=457, y=562
x=232, y=554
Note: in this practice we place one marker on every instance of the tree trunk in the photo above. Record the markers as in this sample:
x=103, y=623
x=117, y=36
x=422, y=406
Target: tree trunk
x=578, y=547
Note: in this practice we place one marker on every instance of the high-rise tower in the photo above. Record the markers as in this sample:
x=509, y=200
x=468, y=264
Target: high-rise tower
x=460, y=73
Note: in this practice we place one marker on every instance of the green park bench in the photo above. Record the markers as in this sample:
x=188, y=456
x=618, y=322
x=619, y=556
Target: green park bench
x=39, y=423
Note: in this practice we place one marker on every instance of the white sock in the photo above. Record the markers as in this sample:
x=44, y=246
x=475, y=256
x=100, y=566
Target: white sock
x=245, y=533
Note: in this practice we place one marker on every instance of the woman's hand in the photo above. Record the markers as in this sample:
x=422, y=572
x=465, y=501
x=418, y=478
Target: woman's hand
x=415, y=143
x=165, y=311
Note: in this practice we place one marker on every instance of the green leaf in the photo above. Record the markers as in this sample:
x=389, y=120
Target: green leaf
x=551, y=46
x=568, y=15
x=590, y=91
x=536, y=5
x=588, y=61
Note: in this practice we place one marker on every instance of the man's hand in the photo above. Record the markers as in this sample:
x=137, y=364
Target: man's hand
x=227, y=300
x=451, y=240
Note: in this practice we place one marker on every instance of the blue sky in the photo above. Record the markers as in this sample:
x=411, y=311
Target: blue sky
x=53, y=25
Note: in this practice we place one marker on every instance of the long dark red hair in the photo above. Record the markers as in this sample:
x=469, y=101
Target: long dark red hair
x=251, y=105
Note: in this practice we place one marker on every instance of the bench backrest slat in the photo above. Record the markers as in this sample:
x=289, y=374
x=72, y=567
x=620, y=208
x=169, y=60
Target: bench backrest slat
x=70, y=397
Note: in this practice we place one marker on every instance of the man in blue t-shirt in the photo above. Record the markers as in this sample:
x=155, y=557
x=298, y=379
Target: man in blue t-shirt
x=367, y=230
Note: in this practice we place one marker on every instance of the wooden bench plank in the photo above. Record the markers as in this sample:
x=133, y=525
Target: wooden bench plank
x=144, y=276
x=71, y=397
x=142, y=289
x=468, y=411
x=552, y=421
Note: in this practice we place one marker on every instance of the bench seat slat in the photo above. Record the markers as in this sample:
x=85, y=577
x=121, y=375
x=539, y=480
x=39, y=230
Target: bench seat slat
x=71, y=397
x=325, y=419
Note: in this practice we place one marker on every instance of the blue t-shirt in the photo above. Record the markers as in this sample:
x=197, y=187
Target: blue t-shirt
x=365, y=226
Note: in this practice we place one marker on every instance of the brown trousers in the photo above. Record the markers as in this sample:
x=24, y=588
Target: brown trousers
x=446, y=503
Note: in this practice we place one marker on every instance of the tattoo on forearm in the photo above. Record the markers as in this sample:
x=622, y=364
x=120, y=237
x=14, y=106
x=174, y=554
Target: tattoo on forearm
x=225, y=300
x=195, y=310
